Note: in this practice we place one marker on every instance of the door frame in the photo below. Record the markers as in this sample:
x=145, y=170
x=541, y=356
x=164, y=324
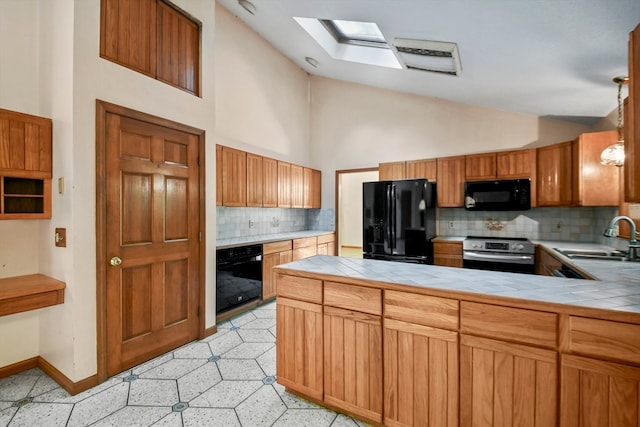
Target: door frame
x=102, y=108
x=337, y=199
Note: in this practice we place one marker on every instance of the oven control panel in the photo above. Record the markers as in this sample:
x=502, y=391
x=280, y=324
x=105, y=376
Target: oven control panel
x=499, y=245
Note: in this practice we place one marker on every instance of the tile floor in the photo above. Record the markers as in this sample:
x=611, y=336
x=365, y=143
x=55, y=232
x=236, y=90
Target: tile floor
x=227, y=379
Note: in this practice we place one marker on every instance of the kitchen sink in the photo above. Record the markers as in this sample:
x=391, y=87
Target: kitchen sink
x=599, y=254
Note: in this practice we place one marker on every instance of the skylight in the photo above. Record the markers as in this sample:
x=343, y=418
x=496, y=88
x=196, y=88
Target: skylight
x=355, y=32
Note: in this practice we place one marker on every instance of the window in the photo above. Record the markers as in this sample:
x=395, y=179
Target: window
x=355, y=32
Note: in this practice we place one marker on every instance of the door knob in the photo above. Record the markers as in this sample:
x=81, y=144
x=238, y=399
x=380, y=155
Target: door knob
x=116, y=261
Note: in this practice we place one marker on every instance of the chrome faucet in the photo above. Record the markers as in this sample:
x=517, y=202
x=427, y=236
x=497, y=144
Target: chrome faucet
x=634, y=247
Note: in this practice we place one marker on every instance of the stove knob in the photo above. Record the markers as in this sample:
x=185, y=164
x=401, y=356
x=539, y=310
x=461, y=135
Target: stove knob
x=477, y=245
x=518, y=247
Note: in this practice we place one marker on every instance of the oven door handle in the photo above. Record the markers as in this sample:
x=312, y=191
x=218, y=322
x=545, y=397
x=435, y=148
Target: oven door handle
x=479, y=256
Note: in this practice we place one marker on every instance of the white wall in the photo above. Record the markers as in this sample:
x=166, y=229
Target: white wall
x=262, y=98
x=356, y=126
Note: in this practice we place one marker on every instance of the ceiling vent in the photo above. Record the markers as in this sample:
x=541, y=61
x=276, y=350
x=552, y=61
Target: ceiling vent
x=432, y=56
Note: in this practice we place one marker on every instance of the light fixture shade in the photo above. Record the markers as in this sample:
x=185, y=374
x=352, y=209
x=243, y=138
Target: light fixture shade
x=613, y=155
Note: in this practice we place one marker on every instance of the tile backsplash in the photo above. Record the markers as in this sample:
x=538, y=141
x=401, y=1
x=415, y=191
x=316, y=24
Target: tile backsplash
x=242, y=221
x=581, y=224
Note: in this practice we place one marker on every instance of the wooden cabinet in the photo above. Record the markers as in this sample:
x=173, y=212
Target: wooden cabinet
x=517, y=164
x=312, y=188
x=507, y=384
x=448, y=254
x=327, y=244
x=353, y=349
x=234, y=177
x=546, y=263
x=305, y=247
x=297, y=186
x=420, y=360
x=480, y=167
x=284, y=184
x=25, y=166
x=299, y=328
x=273, y=254
x=554, y=175
x=390, y=171
x=594, y=184
x=219, y=175
x=632, y=122
x=269, y=182
x=254, y=180
x=451, y=176
x=421, y=169
x=153, y=38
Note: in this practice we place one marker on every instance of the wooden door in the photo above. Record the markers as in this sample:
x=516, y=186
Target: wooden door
x=420, y=375
x=297, y=186
x=554, y=175
x=480, y=166
x=219, y=175
x=450, y=180
x=595, y=393
x=503, y=384
x=269, y=182
x=632, y=134
x=594, y=184
x=234, y=177
x=312, y=188
x=353, y=362
x=254, y=180
x=390, y=171
x=152, y=250
x=284, y=184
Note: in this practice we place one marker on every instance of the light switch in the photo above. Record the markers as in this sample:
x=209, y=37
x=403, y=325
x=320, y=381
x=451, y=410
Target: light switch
x=61, y=237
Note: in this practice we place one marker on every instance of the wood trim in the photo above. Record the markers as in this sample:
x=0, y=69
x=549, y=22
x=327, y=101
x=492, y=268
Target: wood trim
x=16, y=368
x=210, y=331
x=102, y=108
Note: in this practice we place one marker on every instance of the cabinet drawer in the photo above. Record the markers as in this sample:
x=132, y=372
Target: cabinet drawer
x=422, y=309
x=305, y=252
x=514, y=324
x=299, y=288
x=304, y=242
x=273, y=247
x=326, y=238
x=448, y=248
x=605, y=338
x=352, y=297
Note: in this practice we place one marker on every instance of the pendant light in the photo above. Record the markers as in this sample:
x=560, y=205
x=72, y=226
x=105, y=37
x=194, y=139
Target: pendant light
x=613, y=155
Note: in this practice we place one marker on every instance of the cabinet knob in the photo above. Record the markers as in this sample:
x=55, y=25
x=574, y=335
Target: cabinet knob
x=116, y=261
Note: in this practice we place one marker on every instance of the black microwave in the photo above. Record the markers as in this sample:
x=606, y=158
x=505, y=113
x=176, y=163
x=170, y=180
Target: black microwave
x=498, y=195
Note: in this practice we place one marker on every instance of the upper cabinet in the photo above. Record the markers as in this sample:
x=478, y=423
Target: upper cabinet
x=480, y=167
x=297, y=186
x=516, y=164
x=421, y=169
x=312, y=188
x=390, y=171
x=554, y=175
x=632, y=124
x=25, y=166
x=234, y=177
x=269, y=182
x=254, y=180
x=153, y=38
x=451, y=175
x=219, y=175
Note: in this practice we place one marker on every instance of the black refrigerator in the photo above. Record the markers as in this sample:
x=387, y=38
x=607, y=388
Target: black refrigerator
x=399, y=220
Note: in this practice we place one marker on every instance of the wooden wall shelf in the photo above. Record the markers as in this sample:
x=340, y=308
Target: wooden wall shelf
x=30, y=292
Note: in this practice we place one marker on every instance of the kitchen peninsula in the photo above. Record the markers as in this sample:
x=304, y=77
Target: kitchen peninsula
x=402, y=344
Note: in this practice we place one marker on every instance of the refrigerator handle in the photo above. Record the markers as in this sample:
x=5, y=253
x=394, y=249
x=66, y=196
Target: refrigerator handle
x=388, y=220
x=393, y=217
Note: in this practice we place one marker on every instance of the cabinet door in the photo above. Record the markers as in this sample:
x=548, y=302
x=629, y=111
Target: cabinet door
x=312, y=188
x=284, y=184
x=546, y=264
x=25, y=145
x=451, y=172
x=219, y=175
x=268, y=275
x=297, y=186
x=178, y=61
x=594, y=184
x=516, y=164
x=390, y=171
x=480, y=167
x=234, y=177
x=353, y=362
x=447, y=254
x=269, y=182
x=420, y=375
x=504, y=384
x=299, y=361
x=254, y=180
x=594, y=393
x=632, y=139
x=554, y=175
x=421, y=169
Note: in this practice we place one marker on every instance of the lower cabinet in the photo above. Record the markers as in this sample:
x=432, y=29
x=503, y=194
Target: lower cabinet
x=595, y=393
x=273, y=254
x=327, y=244
x=420, y=375
x=448, y=254
x=506, y=384
x=305, y=247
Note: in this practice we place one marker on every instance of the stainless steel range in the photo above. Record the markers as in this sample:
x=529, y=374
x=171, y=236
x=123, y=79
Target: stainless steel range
x=499, y=254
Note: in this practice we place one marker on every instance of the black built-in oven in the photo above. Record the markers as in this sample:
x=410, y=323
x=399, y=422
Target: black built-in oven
x=238, y=276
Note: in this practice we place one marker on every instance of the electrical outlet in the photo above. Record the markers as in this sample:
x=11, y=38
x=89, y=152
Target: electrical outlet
x=251, y=223
x=452, y=224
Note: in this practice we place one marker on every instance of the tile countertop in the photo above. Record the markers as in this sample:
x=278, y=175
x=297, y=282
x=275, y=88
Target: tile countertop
x=619, y=290
x=267, y=238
